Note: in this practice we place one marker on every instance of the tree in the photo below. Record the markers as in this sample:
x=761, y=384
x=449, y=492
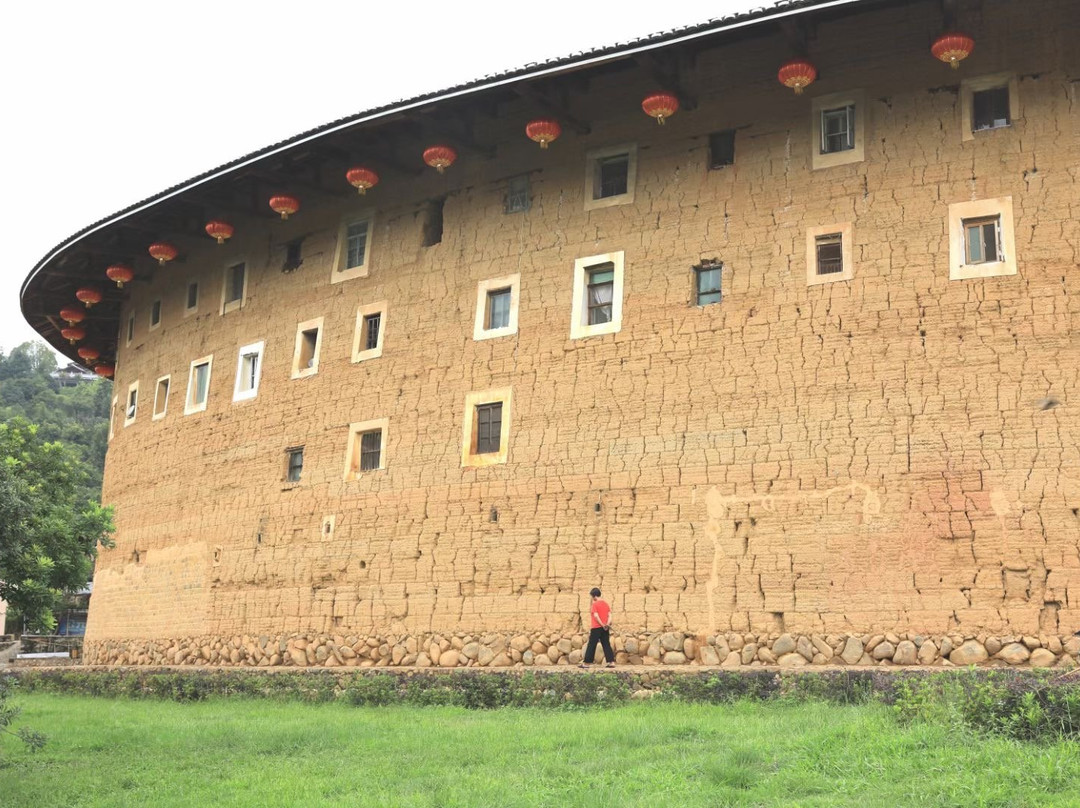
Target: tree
x=49, y=529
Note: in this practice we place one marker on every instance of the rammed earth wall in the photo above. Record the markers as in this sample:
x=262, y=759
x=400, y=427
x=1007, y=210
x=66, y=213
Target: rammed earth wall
x=891, y=454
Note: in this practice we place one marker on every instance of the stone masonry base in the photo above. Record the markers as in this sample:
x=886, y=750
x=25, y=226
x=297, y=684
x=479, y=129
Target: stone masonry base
x=494, y=650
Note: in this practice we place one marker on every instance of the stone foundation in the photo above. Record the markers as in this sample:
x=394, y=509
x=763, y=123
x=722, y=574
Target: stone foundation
x=495, y=650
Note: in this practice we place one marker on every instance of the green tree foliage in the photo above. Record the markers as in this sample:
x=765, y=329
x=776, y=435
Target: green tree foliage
x=52, y=452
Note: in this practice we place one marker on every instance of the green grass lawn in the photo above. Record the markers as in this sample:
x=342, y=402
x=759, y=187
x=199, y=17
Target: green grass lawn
x=236, y=752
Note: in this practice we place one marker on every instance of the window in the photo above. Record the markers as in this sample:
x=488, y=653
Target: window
x=597, y=303
x=981, y=239
x=707, y=283
x=130, y=329
x=497, y=307
x=294, y=255
x=235, y=287
x=155, y=314
x=829, y=253
x=198, y=385
x=988, y=103
x=486, y=428
x=721, y=149
x=112, y=416
x=370, y=331
x=517, y=194
x=161, y=397
x=610, y=175
x=365, y=452
x=433, y=222
x=132, y=405
x=353, y=248
x=306, y=352
x=838, y=129
x=192, y=303
x=294, y=464
x=248, y=372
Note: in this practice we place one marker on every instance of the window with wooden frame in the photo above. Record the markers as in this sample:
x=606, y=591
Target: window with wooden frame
x=370, y=331
x=248, y=371
x=598, y=292
x=486, y=428
x=306, y=351
x=234, y=287
x=366, y=450
x=161, y=397
x=829, y=251
x=982, y=243
x=610, y=176
x=497, y=301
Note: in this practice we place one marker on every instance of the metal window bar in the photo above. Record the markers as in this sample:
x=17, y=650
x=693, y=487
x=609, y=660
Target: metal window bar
x=370, y=450
x=830, y=254
x=601, y=293
x=611, y=176
x=990, y=109
x=488, y=428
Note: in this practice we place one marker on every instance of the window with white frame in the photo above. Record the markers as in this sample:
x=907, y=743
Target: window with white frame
x=234, y=288
x=191, y=302
x=155, y=314
x=988, y=103
x=838, y=129
x=306, y=352
x=248, y=371
x=130, y=335
x=829, y=251
x=161, y=397
x=497, y=301
x=353, y=248
x=132, y=406
x=598, y=292
x=366, y=450
x=370, y=331
x=981, y=239
x=610, y=176
x=486, y=428
x=198, y=385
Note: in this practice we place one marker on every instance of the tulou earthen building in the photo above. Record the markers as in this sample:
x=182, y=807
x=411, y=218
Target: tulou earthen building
x=792, y=377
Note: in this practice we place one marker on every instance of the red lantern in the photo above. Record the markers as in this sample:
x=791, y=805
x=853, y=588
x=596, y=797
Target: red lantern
x=88, y=295
x=89, y=353
x=952, y=47
x=660, y=106
x=543, y=131
x=284, y=204
x=163, y=251
x=797, y=74
x=105, y=370
x=120, y=274
x=72, y=315
x=219, y=230
x=440, y=157
x=73, y=333
x=362, y=178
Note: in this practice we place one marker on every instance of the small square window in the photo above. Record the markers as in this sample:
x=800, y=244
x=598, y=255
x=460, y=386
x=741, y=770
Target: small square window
x=707, y=283
x=485, y=430
x=294, y=464
x=306, y=351
x=155, y=314
x=192, y=297
x=132, y=405
x=370, y=331
x=830, y=254
x=365, y=453
x=488, y=428
x=601, y=291
x=235, y=287
x=838, y=129
x=990, y=108
x=517, y=194
x=248, y=372
x=982, y=243
x=161, y=397
x=498, y=308
x=198, y=385
x=610, y=176
x=722, y=149
x=982, y=240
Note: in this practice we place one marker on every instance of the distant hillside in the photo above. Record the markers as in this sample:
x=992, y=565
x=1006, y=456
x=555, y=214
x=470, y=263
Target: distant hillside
x=77, y=415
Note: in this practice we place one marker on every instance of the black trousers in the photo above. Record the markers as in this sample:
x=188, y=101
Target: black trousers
x=598, y=635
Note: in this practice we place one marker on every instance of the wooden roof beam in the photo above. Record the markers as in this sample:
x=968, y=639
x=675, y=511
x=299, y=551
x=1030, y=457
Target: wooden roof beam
x=668, y=74
x=553, y=108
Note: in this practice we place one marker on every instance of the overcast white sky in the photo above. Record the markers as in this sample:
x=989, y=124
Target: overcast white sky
x=106, y=103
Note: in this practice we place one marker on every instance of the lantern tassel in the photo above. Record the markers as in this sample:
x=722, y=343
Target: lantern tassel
x=798, y=89
x=543, y=144
x=954, y=63
x=360, y=189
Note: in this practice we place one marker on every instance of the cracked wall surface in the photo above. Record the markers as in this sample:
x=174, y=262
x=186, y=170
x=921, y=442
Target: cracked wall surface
x=897, y=452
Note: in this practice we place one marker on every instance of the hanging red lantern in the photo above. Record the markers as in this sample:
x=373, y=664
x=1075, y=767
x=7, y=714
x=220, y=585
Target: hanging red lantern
x=797, y=74
x=543, y=131
x=219, y=230
x=120, y=274
x=440, y=157
x=163, y=251
x=89, y=353
x=72, y=315
x=660, y=106
x=952, y=47
x=105, y=370
x=284, y=204
x=88, y=295
x=362, y=178
x=73, y=333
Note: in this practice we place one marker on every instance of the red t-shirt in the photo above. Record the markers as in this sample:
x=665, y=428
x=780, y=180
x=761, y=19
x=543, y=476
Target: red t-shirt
x=601, y=610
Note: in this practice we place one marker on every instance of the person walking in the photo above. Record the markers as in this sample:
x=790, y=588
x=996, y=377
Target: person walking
x=600, y=630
